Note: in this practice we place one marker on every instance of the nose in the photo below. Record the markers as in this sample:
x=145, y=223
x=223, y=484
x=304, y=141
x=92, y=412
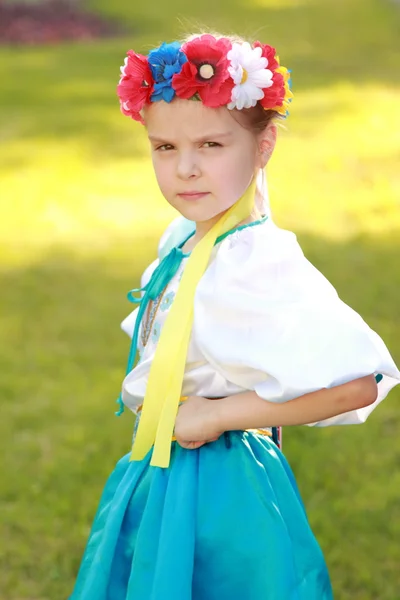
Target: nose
x=188, y=167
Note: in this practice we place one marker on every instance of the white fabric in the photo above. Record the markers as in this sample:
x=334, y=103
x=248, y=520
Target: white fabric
x=265, y=319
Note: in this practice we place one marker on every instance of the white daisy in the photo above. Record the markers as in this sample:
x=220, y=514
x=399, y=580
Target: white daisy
x=249, y=72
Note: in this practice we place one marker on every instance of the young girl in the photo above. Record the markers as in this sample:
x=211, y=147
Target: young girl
x=236, y=333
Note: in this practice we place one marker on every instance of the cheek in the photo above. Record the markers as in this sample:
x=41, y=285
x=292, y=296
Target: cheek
x=233, y=173
x=165, y=175
x=162, y=173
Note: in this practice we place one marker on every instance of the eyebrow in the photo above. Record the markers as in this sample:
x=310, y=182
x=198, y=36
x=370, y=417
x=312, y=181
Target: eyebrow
x=204, y=138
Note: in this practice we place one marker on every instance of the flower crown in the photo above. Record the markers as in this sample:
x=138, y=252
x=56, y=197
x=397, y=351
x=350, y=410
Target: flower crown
x=216, y=71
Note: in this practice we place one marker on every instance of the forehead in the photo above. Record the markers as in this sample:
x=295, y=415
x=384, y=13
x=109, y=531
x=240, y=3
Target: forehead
x=187, y=118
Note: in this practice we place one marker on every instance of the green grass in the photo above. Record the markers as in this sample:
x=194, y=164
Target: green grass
x=80, y=217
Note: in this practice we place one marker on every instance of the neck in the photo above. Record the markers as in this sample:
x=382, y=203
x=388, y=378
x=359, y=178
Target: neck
x=203, y=227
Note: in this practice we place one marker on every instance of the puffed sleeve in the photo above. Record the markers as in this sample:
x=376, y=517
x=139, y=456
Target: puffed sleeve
x=269, y=321
x=176, y=231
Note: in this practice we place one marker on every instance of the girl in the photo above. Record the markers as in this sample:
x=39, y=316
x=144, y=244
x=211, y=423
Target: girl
x=236, y=333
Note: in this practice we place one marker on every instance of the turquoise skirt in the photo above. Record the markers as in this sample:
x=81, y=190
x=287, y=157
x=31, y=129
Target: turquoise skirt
x=223, y=522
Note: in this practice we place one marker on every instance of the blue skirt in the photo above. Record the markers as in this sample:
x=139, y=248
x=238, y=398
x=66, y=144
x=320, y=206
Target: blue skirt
x=223, y=522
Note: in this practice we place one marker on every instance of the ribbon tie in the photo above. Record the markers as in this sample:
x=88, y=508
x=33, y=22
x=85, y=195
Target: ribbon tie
x=161, y=276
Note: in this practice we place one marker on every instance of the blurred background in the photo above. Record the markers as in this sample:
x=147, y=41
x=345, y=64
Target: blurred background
x=81, y=216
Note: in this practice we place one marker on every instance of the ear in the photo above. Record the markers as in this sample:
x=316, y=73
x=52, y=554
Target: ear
x=266, y=144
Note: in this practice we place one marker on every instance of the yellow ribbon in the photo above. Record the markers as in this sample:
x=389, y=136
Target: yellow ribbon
x=161, y=401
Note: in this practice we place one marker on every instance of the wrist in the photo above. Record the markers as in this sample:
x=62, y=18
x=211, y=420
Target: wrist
x=231, y=412
x=216, y=414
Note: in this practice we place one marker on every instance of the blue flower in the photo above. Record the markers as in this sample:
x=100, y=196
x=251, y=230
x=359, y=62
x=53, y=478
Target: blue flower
x=167, y=301
x=164, y=62
x=156, y=332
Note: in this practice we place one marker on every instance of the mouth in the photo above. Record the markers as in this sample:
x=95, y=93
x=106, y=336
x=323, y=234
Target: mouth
x=193, y=195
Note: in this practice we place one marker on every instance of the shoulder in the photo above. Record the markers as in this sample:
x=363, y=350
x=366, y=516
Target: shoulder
x=257, y=245
x=264, y=260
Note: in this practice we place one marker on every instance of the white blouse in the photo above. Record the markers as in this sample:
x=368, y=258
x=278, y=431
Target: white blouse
x=265, y=319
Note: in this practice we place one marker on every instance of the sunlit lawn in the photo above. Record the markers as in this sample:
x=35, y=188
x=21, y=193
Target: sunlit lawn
x=80, y=218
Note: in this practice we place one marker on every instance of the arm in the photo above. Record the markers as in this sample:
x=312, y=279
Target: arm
x=201, y=420
x=247, y=410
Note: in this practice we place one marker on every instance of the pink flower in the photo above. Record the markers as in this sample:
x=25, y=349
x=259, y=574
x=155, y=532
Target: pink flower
x=135, y=86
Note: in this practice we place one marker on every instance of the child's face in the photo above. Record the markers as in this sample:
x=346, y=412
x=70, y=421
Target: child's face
x=203, y=150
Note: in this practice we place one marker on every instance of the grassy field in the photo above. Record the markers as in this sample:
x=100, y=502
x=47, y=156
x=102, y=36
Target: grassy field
x=80, y=218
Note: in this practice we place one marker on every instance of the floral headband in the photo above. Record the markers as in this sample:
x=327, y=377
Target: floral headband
x=216, y=71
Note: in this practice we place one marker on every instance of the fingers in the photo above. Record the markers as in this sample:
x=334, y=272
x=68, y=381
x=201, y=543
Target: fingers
x=191, y=445
x=194, y=445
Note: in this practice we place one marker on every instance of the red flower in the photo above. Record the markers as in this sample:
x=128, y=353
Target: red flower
x=274, y=95
x=135, y=86
x=206, y=71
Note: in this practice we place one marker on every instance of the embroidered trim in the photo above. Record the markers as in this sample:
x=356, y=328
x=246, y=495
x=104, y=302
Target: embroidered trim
x=150, y=318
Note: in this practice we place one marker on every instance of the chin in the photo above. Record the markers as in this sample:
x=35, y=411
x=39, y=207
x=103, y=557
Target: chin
x=200, y=216
x=198, y=213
